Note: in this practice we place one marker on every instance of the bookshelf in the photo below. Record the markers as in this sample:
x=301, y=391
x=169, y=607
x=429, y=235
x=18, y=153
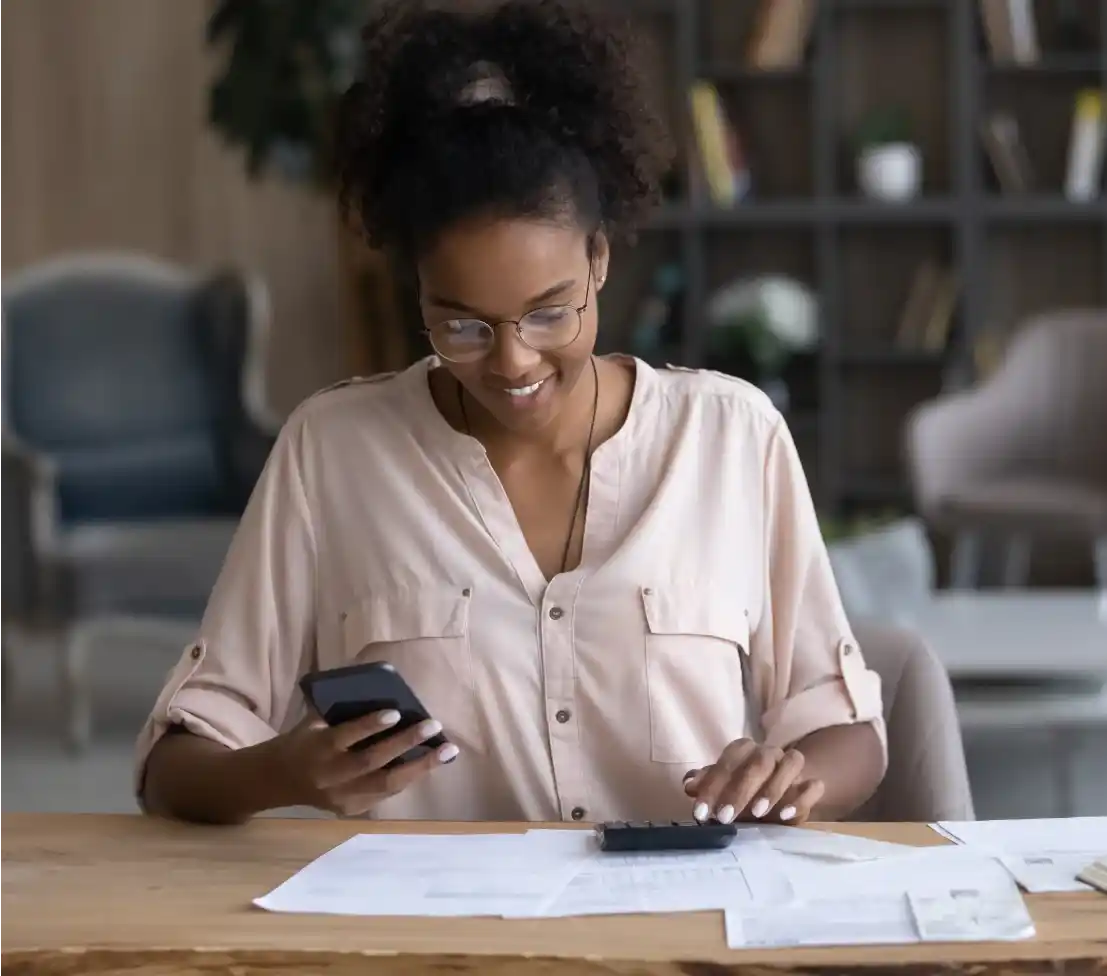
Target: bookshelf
x=1012, y=255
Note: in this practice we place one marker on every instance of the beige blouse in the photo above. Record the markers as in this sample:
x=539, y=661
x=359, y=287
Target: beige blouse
x=703, y=610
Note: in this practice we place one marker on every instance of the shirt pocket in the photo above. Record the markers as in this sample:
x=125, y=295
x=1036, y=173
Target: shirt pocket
x=424, y=635
x=694, y=674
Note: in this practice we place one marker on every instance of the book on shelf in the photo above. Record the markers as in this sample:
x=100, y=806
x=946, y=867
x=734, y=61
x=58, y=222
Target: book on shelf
x=1086, y=146
x=719, y=153
x=1011, y=31
x=1006, y=152
x=987, y=352
x=927, y=316
x=780, y=34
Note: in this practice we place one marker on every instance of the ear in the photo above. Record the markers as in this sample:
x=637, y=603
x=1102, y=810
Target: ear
x=601, y=258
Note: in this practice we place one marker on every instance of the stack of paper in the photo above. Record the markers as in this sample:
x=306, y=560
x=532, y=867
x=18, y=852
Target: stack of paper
x=747, y=872
x=435, y=874
x=932, y=893
x=1043, y=855
x=826, y=845
x=779, y=886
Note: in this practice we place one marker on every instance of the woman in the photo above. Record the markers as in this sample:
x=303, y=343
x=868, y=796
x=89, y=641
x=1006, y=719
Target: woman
x=606, y=582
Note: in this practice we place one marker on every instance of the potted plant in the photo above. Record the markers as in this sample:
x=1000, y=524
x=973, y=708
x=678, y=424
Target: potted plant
x=286, y=64
x=757, y=324
x=889, y=163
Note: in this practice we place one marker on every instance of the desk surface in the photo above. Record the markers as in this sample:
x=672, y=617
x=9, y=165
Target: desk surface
x=138, y=895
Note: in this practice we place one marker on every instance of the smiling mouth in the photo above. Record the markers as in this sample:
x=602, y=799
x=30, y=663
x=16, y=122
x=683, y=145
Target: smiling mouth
x=521, y=392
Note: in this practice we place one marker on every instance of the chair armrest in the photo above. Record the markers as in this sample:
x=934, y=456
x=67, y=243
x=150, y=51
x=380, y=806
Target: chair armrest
x=255, y=440
x=30, y=514
x=255, y=390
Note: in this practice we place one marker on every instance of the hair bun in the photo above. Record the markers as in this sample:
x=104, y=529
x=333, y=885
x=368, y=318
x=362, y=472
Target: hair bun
x=515, y=106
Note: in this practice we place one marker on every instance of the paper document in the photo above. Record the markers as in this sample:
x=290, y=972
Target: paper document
x=927, y=869
x=435, y=875
x=1043, y=855
x=1057, y=836
x=934, y=893
x=1039, y=873
x=971, y=915
x=827, y=921
x=827, y=845
x=746, y=872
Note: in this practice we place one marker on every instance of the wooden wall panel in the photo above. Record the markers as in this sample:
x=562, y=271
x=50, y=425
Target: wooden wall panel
x=106, y=146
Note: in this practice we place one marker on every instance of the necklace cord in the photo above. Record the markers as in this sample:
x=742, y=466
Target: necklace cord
x=585, y=471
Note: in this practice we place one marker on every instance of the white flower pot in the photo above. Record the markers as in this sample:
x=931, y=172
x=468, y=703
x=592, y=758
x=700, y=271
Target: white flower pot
x=890, y=173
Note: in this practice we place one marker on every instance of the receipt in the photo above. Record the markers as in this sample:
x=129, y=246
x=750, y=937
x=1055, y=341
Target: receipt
x=971, y=915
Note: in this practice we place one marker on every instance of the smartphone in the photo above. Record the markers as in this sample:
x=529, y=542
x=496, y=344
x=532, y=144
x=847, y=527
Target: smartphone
x=342, y=694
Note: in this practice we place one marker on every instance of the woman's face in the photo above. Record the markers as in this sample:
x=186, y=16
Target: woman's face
x=501, y=272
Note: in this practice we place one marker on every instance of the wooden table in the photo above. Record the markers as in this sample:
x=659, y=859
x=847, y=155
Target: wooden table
x=118, y=894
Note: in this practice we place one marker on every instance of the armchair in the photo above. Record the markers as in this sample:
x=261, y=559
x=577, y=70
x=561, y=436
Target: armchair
x=926, y=779
x=134, y=429
x=1022, y=456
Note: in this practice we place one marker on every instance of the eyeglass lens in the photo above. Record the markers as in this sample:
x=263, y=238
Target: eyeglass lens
x=541, y=329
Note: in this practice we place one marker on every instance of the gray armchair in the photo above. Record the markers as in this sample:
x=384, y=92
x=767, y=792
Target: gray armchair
x=1023, y=456
x=134, y=429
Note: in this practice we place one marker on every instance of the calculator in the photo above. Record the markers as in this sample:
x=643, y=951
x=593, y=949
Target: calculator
x=664, y=835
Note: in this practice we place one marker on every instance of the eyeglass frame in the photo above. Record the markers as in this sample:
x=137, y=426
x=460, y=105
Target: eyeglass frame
x=491, y=327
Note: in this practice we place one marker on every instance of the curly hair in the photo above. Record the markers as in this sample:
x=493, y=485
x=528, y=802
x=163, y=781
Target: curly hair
x=529, y=108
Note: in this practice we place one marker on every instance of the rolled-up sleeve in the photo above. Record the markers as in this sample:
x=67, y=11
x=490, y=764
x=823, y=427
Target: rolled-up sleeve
x=234, y=683
x=808, y=669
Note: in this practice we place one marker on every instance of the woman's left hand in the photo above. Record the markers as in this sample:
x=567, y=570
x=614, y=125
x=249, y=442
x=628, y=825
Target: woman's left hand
x=750, y=781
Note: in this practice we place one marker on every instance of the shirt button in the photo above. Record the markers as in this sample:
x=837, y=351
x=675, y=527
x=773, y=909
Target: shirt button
x=577, y=813
x=195, y=654
x=556, y=613
x=563, y=715
x=466, y=592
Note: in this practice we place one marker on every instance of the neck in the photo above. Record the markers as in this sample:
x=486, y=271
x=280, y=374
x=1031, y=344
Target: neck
x=568, y=432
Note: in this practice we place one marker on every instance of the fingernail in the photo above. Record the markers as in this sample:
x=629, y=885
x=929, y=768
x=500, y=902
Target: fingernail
x=448, y=753
x=787, y=813
x=760, y=808
x=688, y=775
x=388, y=718
x=725, y=814
x=432, y=727
x=700, y=811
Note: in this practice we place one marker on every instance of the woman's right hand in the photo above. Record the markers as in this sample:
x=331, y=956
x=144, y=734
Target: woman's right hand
x=322, y=771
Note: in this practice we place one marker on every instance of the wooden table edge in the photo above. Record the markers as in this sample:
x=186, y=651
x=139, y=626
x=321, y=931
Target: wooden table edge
x=1090, y=960
x=1077, y=955
x=258, y=962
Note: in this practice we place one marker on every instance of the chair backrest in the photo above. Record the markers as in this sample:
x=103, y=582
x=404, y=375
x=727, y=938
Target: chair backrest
x=1040, y=413
x=110, y=372
x=926, y=779
x=1053, y=376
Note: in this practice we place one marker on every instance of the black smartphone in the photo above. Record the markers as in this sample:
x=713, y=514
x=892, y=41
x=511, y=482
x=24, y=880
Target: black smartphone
x=343, y=694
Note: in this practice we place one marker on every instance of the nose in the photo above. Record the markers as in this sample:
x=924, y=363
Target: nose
x=510, y=358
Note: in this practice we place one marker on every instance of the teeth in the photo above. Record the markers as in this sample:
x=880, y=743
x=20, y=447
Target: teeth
x=523, y=391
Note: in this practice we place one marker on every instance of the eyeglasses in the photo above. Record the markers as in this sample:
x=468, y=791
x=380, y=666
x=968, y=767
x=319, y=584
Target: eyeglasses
x=542, y=329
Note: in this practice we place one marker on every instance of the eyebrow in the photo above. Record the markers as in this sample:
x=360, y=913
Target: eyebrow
x=537, y=300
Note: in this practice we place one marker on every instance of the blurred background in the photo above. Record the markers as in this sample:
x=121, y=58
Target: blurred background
x=888, y=214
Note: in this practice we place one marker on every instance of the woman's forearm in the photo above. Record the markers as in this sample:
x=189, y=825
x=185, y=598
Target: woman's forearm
x=192, y=778
x=849, y=760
